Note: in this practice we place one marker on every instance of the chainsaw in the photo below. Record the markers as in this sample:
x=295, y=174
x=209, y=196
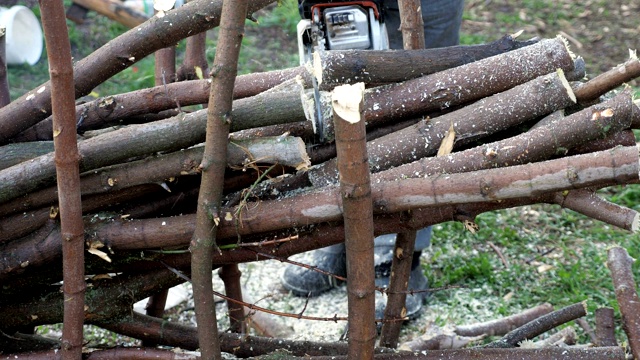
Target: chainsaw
x=338, y=25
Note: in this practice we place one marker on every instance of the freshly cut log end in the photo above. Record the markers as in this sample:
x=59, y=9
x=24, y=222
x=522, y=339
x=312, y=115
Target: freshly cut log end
x=566, y=45
x=317, y=67
x=346, y=100
x=566, y=85
x=635, y=224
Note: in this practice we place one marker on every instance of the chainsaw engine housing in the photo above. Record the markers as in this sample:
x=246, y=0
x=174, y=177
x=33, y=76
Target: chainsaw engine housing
x=340, y=25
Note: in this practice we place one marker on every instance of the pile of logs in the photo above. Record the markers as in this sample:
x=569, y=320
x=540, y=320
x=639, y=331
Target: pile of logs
x=451, y=133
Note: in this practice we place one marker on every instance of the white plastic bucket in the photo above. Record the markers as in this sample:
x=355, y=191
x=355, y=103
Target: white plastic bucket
x=23, y=35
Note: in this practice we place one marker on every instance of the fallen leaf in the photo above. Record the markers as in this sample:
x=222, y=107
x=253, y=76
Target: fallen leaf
x=544, y=268
x=471, y=226
x=101, y=254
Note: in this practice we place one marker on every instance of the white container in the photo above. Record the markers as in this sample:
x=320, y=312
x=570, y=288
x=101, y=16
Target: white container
x=146, y=6
x=23, y=35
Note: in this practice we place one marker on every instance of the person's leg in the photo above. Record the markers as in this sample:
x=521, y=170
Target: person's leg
x=442, y=19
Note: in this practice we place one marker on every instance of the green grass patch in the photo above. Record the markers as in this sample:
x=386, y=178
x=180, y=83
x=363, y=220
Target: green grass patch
x=553, y=255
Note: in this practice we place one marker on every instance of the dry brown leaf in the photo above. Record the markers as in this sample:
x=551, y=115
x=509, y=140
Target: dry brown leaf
x=93, y=249
x=471, y=226
x=101, y=254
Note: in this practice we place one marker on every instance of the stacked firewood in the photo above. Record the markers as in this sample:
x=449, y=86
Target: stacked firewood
x=451, y=133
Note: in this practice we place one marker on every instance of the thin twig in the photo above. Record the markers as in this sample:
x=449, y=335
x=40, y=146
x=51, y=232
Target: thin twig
x=502, y=258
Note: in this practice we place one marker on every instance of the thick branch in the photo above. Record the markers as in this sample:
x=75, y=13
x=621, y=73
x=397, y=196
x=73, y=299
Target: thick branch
x=355, y=190
x=214, y=162
x=504, y=325
x=605, y=327
x=336, y=67
x=619, y=263
x=588, y=203
x=68, y=176
x=459, y=85
x=161, y=169
x=540, y=325
x=323, y=205
x=609, y=80
x=540, y=143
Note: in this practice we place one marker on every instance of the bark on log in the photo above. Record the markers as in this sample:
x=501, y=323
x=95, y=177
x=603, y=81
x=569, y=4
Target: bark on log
x=455, y=86
x=115, y=56
x=176, y=232
x=495, y=113
x=504, y=325
x=112, y=110
x=213, y=165
x=541, y=143
x=605, y=327
x=540, y=325
x=588, y=203
x=115, y=10
x=357, y=207
x=12, y=154
x=390, y=197
x=332, y=68
x=163, y=169
x=278, y=105
x=619, y=263
x=609, y=80
x=66, y=158
x=19, y=225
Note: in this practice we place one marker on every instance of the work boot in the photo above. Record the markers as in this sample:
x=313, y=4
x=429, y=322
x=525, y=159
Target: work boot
x=413, y=303
x=306, y=282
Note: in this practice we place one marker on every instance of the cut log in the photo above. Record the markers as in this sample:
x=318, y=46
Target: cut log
x=454, y=86
x=332, y=68
x=543, y=142
x=495, y=113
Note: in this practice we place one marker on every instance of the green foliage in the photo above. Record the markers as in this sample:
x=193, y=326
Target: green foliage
x=285, y=15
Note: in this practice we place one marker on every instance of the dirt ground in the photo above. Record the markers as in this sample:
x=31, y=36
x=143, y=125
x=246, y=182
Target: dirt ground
x=601, y=32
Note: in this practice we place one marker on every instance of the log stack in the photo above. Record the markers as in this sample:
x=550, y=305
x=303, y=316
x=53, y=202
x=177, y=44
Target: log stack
x=514, y=121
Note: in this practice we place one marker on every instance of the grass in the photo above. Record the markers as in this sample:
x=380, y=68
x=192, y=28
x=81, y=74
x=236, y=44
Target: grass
x=554, y=255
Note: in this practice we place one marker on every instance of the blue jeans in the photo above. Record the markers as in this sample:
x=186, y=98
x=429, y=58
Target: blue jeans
x=442, y=19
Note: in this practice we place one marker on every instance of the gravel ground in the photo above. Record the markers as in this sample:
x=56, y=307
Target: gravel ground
x=261, y=286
